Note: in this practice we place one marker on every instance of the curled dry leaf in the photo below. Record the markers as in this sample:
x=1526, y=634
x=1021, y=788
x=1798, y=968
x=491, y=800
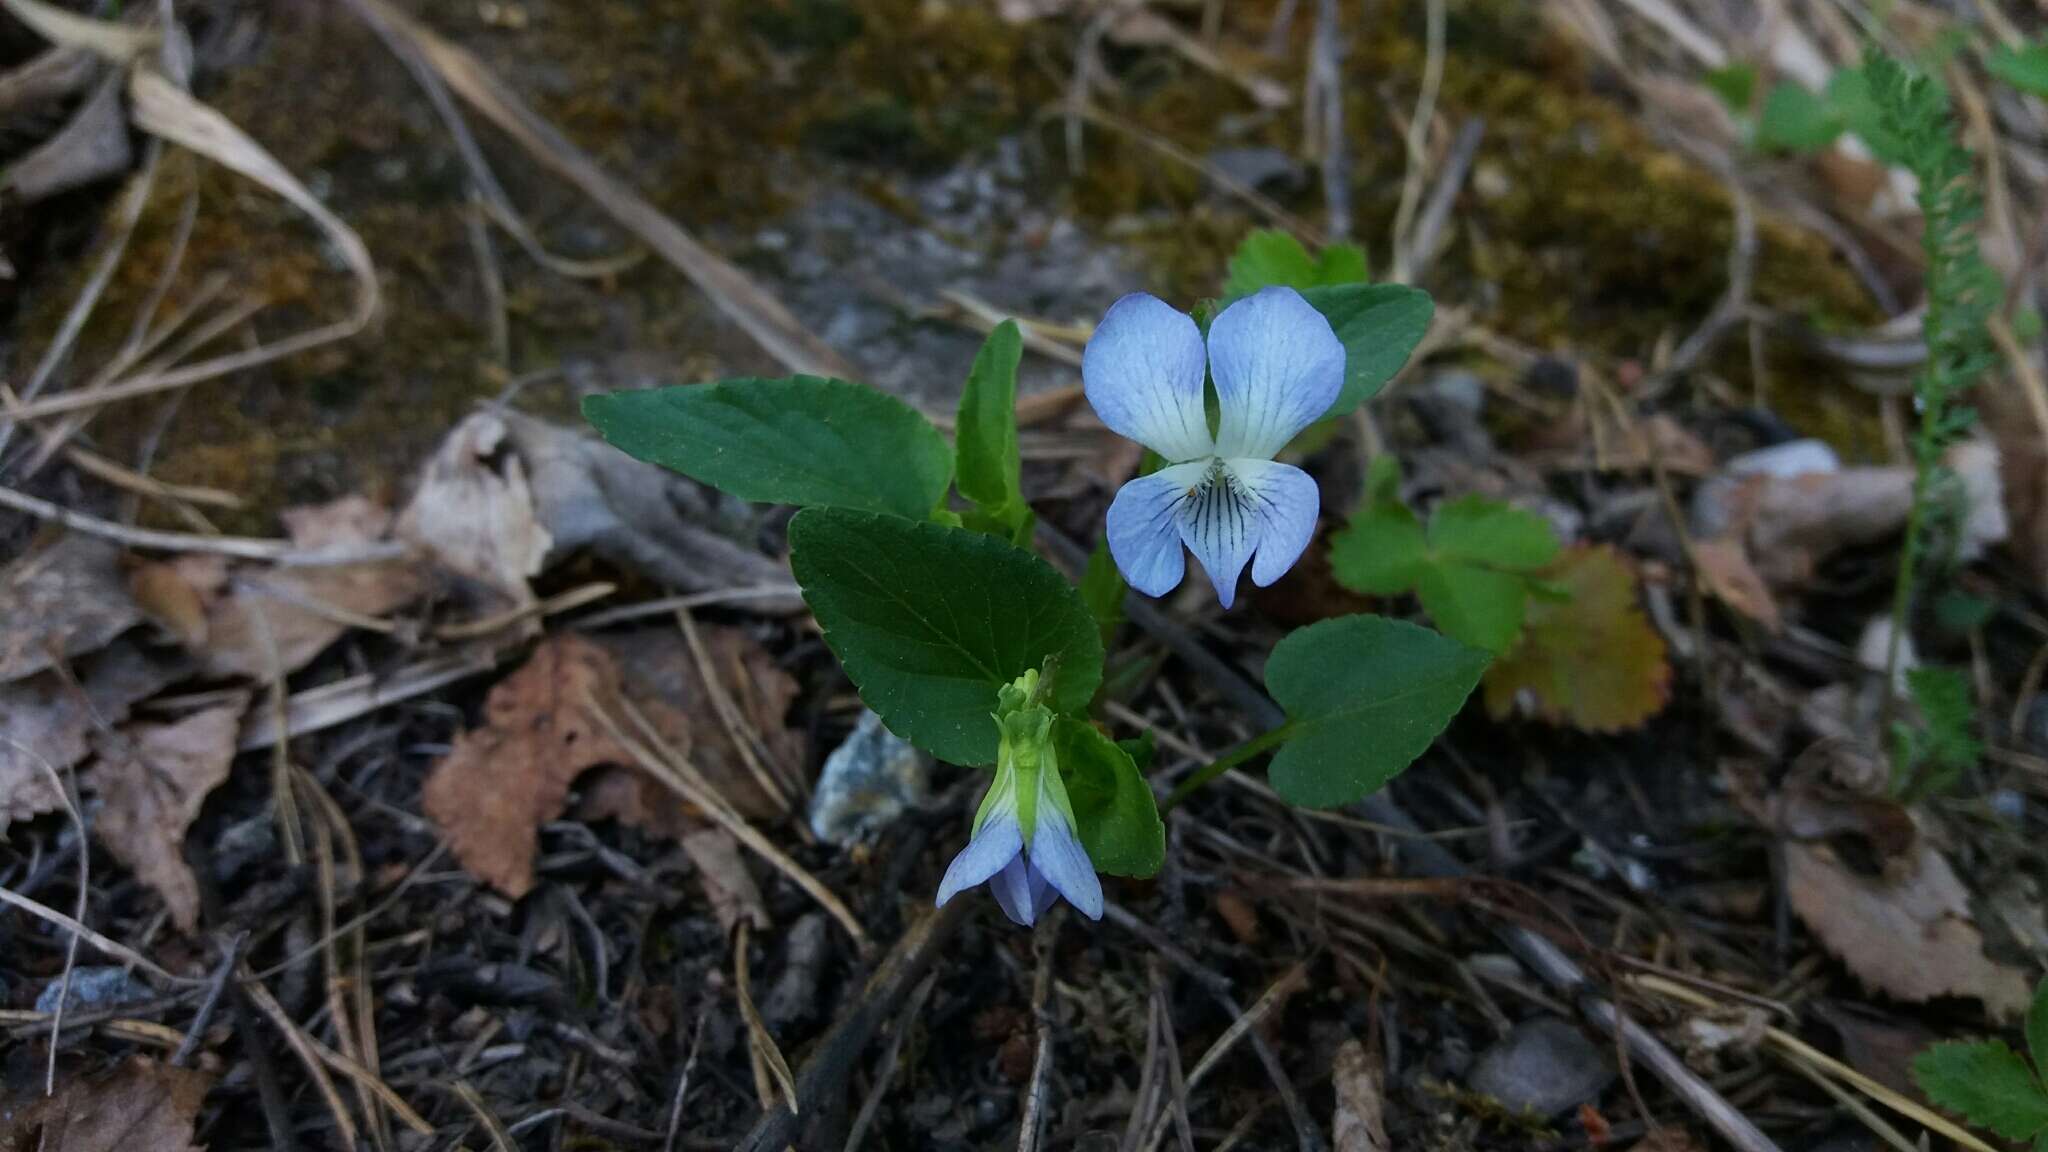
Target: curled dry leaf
x=501, y=782
x=727, y=884
x=141, y=1105
x=1360, y=1121
x=152, y=780
x=1907, y=932
x=1726, y=573
x=47, y=720
x=59, y=602
x=1587, y=657
x=474, y=513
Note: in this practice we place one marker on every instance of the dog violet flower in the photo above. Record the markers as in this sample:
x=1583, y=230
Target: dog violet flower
x=1277, y=367
x=1024, y=844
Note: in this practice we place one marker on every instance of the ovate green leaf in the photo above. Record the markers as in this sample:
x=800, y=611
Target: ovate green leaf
x=1988, y=1083
x=930, y=621
x=1364, y=696
x=1117, y=818
x=802, y=440
x=1379, y=326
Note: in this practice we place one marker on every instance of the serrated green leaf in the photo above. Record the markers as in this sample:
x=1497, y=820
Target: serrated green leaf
x=1114, y=810
x=985, y=434
x=1474, y=605
x=931, y=621
x=1794, y=119
x=2037, y=1025
x=801, y=440
x=2025, y=68
x=1383, y=480
x=1987, y=1083
x=1379, y=326
x=1481, y=531
x=1364, y=696
x=1382, y=552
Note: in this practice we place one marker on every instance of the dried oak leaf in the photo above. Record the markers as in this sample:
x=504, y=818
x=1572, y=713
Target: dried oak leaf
x=1587, y=656
x=63, y=601
x=46, y=720
x=141, y=1105
x=501, y=782
x=152, y=780
x=1907, y=933
x=474, y=510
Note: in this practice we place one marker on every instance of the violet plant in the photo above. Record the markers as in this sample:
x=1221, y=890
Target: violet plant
x=974, y=648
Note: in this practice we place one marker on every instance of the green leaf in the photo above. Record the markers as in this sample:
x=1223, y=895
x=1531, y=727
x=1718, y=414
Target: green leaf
x=802, y=440
x=1947, y=740
x=1268, y=257
x=1481, y=531
x=1735, y=84
x=1474, y=605
x=990, y=467
x=1988, y=1083
x=2037, y=1024
x=1795, y=119
x=1364, y=696
x=1114, y=811
x=1140, y=748
x=1382, y=552
x=1379, y=326
x=1103, y=589
x=1342, y=264
x=930, y=622
x=2024, y=68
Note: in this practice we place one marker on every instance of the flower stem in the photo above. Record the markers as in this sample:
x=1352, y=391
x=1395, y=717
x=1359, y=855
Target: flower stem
x=1224, y=763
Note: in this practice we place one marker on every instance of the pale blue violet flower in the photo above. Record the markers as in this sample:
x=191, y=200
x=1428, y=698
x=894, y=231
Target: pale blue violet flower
x=1278, y=367
x=1024, y=844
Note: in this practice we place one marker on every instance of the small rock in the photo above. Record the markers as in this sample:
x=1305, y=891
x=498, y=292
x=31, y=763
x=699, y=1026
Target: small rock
x=867, y=784
x=1264, y=169
x=1792, y=458
x=94, y=987
x=1545, y=1066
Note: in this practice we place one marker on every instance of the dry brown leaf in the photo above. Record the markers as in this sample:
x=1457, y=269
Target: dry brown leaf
x=62, y=601
x=46, y=721
x=1360, y=1121
x=502, y=781
x=1726, y=573
x=1907, y=933
x=142, y=1106
x=152, y=780
x=257, y=609
x=730, y=887
x=660, y=676
x=2022, y=438
x=474, y=512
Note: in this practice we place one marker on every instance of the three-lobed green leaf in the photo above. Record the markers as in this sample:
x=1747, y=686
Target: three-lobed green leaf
x=1470, y=567
x=931, y=621
x=985, y=438
x=801, y=440
x=1364, y=696
x=1269, y=258
x=1114, y=810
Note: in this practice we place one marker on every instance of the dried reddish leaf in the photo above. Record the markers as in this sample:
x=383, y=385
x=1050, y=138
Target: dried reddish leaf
x=152, y=780
x=501, y=782
x=63, y=601
x=141, y=1105
x=1587, y=658
x=1907, y=933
